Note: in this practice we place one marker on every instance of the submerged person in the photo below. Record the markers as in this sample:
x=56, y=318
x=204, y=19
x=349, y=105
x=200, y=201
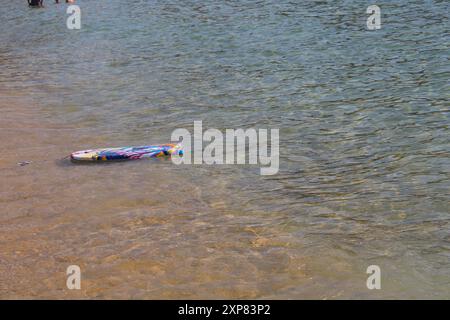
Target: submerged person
x=35, y=3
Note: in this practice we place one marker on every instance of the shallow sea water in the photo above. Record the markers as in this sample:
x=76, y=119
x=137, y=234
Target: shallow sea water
x=364, y=142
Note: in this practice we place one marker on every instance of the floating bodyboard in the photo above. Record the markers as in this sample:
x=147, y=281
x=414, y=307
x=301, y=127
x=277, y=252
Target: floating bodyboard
x=127, y=153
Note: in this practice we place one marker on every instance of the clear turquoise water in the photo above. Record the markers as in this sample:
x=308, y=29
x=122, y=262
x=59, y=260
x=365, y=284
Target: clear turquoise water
x=363, y=118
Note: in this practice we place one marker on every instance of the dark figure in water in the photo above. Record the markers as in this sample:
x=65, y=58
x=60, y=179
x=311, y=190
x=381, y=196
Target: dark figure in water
x=35, y=3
